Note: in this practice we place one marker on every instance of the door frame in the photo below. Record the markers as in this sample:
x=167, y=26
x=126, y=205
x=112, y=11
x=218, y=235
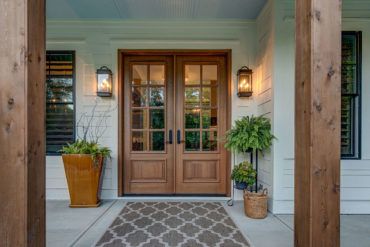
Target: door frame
x=120, y=80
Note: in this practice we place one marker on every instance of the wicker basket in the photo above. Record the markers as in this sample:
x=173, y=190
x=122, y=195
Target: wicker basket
x=255, y=204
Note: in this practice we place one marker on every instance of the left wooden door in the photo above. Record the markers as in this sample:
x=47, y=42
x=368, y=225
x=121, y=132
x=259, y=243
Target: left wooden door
x=148, y=125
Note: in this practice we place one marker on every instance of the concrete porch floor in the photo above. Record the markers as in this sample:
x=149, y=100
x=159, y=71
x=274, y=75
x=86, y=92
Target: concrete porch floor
x=83, y=227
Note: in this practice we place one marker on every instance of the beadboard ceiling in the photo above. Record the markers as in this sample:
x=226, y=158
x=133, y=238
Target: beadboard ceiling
x=153, y=9
x=350, y=8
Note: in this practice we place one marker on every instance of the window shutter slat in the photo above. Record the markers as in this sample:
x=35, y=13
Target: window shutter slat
x=60, y=115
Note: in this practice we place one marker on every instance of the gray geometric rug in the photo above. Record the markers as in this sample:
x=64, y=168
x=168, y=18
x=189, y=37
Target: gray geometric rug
x=185, y=224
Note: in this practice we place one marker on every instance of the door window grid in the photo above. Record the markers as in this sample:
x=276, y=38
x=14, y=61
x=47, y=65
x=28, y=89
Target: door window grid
x=198, y=135
x=148, y=104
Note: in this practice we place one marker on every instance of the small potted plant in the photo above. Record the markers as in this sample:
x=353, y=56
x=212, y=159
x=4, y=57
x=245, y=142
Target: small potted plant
x=84, y=159
x=243, y=175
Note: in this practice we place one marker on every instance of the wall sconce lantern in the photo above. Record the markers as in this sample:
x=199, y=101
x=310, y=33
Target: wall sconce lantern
x=105, y=82
x=245, y=82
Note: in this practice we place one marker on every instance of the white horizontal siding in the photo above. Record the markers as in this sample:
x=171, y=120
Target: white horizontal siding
x=96, y=44
x=263, y=84
x=355, y=174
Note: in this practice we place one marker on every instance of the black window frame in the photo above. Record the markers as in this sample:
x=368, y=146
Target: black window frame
x=63, y=52
x=357, y=101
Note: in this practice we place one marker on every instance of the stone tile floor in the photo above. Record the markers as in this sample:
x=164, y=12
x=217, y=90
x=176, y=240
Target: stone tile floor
x=83, y=227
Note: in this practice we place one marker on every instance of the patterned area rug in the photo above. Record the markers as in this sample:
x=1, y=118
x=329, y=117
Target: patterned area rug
x=185, y=224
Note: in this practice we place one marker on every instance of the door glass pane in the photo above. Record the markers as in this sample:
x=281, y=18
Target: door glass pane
x=156, y=118
x=209, y=74
x=192, y=118
x=156, y=97
x=209, y=140
x=157, y=141
x=139, y=119
x=139, y=96
x=192, y=96
x=192, y=140
x=139, y=141
x=209, y=118
x=209, y=96
x=157, y=74
x=139, y=74
x=192, y=74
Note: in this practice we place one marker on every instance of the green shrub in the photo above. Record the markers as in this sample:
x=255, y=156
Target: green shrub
x=86, y=147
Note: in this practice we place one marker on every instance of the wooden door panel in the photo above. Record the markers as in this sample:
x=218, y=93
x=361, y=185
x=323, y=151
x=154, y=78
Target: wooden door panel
x=195, y=171
x=148, y=171
x=201, y=119
x=148, y=120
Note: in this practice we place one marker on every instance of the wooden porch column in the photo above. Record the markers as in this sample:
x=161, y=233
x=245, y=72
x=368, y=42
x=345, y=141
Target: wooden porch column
x=22, y=123
x=317, y=123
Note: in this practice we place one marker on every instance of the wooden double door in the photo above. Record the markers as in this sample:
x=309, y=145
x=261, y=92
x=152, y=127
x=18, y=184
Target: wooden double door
x=175, y=115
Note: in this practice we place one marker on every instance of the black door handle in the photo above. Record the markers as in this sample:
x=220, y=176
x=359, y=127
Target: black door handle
x=170, y=137
x=178, y=137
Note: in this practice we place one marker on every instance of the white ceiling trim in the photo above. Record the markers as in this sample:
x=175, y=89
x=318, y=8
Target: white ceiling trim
x=154, y=9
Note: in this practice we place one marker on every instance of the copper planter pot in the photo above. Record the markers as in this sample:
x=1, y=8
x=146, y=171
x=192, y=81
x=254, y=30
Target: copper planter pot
x=83, y=178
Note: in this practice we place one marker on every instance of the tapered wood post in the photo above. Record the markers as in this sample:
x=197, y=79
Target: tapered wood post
x=22, y=123
x=317, y=123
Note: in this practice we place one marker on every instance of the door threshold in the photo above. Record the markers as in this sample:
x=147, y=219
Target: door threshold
x=174, y=198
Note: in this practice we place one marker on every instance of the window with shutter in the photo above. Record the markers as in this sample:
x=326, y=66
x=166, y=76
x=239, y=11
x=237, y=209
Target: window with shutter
x=351, y=95
x=60, y=95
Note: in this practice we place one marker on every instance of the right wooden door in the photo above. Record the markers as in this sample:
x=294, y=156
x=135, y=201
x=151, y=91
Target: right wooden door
x=201, y=115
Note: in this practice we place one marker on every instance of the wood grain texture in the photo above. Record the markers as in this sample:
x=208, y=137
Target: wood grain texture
x=22, y=123
x=317, y=123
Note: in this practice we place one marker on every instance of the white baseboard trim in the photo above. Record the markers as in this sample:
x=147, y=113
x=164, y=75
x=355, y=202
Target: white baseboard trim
x=346, y=207
x=63, y=194
x=355, y=207
x=275, y=206
x=282, y=206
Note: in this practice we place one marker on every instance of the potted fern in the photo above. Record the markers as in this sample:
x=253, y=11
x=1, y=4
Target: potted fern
x=84, y=159
x=250, y=134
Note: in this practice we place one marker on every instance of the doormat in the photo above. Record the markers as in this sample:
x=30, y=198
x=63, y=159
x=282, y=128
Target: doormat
x=185, y=224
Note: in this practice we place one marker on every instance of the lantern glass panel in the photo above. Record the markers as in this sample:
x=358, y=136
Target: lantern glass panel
x=104, y=83
x=245, y=83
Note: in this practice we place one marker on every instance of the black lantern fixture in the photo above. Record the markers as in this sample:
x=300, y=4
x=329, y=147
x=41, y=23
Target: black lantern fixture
x=105, y=82
x=245, y=82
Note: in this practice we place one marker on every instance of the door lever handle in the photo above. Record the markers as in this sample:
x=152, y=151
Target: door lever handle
x=178, y=137
x=170, y=137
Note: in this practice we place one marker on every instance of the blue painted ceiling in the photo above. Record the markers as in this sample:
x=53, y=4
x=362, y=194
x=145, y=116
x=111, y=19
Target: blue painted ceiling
x=154, y=9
